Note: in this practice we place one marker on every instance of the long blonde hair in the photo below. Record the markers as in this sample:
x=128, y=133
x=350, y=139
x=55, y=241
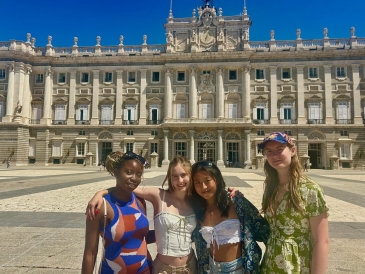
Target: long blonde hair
x=174, y=162
x=271, y=183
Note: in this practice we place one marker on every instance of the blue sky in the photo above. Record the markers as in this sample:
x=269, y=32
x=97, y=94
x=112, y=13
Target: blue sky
x=109, y=19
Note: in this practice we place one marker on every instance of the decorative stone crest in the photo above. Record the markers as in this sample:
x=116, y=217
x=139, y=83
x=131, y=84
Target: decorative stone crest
x=207, y=39
x=206, y=84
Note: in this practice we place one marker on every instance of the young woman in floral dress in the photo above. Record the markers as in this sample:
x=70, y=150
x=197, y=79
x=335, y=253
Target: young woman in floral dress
x=296, y=210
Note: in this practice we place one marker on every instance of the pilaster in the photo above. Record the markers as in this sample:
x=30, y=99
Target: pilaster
x=192, y=146
x=71, y=99
x=168, y=94
x=300, y=95
x=193, y=94
x=119, y=98
x=220, y=101
x=246, y=98
x=47, y=104
x=328, y=94
x=165, y=161
x=220, y=162
x=95, y=98
x=26, y=96
x=273, y=96
x=142, y=98
x=10, y=95
x=248, y=162
x=356, y=94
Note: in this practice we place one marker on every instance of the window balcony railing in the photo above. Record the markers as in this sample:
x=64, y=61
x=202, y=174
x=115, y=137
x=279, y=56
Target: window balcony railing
x=288, y=121
x=344, y=121
x=82, y=122
x=106, y=122
x=154, y=122
x=59, y=122
x=261, y=121
x=35, y=121
x=130, y=122
x=315, y=121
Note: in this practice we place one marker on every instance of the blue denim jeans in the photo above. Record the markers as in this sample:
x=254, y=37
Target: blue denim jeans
x=232, y=267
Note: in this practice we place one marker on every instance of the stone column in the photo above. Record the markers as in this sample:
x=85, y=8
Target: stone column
x=168, y=94
x=300, y=95
x=19, y=84
x=356, y=94
x=246, y=96
x=166, y=161
x=119, y=98
x=47, y=104
x=26, y=96
x=220, y=162
x=328, y=95
x=192, y=143
x=248, y=162
x=142, y=98
x=95, y=99
x=220, y=99
x=71, y=99
x=273, y=96
x=10, y=95
x=193, y=95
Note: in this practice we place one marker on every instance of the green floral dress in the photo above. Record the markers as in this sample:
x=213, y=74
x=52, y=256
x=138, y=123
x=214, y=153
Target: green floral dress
x=289, y=248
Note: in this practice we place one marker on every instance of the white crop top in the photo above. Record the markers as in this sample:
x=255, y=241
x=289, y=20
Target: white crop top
x=173, y=233
x=226, y=232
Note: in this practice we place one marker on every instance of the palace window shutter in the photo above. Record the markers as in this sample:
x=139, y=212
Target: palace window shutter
x=208, y=111
x=254, y=113
x=232, y=111
x=266, y=113
x=125, y=114
x=133, y=114
x=281, y=113
x=78, y=113
x=60, y=113
x=205, y=115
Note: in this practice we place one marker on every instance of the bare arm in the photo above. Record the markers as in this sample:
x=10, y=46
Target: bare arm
x=91, y=244
x=319, y=227
x=94, y=205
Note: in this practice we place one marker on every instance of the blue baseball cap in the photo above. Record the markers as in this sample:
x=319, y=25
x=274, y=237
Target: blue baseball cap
x=280, y=137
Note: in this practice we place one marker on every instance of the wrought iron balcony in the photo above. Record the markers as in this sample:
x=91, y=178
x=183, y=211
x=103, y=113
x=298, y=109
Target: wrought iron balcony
x=261, y=121
x=315, y=121
x=130, y=122
x=154, y=122
x=106, y=122
x=288, y=121
x=35, y=121
x=344, y=121
x=59, y=122
x=82, y=122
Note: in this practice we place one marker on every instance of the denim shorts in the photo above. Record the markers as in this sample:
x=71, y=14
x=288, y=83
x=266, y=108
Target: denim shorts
x=232, y=267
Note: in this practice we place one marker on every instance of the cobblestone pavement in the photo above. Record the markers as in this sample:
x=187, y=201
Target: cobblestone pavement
x=43, y=222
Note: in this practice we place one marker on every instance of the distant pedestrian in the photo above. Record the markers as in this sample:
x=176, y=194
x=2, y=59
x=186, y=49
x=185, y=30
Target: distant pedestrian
x=8, y=164
x=100, y=165
x=306, y=167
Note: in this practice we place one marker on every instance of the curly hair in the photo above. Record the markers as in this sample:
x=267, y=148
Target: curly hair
x=221, y=200
x=115, y=160
x=174, y=162
x=271, y=184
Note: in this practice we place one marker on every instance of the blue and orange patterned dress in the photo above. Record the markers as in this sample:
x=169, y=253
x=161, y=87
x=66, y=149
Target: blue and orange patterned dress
x=125, y=248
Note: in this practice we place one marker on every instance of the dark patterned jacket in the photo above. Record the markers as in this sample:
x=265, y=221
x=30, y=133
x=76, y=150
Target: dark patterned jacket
x=253, y=227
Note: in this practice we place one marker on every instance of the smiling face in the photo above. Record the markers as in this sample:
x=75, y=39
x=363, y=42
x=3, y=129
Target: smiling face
x=180, y=179
x=279, y=155
x=129, y=176
x=205, y=185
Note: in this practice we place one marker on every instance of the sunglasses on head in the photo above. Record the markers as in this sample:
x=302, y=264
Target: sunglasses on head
x=139, y=158
x=202, y=164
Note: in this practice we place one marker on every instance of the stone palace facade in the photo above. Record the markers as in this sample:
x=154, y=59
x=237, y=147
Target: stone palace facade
x=207, y=93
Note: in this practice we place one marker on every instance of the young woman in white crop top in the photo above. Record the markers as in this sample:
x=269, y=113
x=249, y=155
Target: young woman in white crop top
x=227, y=230
x=174, y=219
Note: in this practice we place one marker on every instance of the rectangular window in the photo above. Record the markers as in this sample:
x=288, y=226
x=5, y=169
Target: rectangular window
x=345, y=151
x=32, y=148
x=131, y=76
x=232, y=75
x=84, y=77
x=260, y=133
x=287, y=132
x=39, y=78
x=154, y=132
x=129, y=147
x=260, y=113
x=342, y=112
x=82, y=132
x=180, y=149
x=129, y=114
x=129, y=132
x=181, y=76
x=81, y=149
x=286, y=73
x=2, y=74
x=82, y=113
x=206, y=111
x=155, y=76
x=56, y=149
x=60, y=113
x=61, y=78
x=180, y=111
x=153, y=148
x=106, y=114
x=313, y=73
x=314, y=111
x=344, y=133
x=341, y=73
x=232, y=111
x=260, y=74
x=206, y=71
x=108, y=77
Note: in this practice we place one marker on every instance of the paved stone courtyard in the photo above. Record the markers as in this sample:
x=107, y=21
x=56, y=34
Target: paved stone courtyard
x=43, y=222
